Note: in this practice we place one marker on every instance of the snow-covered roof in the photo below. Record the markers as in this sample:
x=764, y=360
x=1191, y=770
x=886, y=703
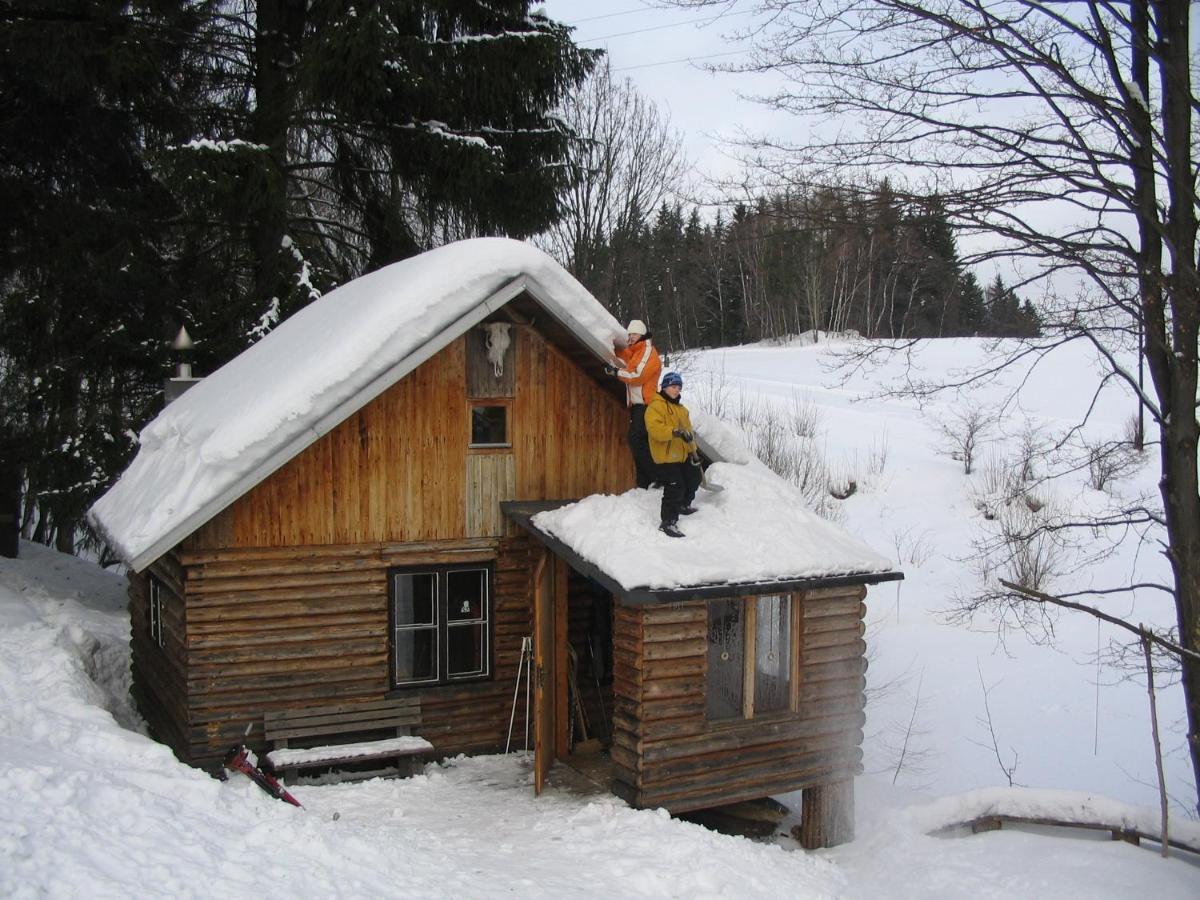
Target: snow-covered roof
x=265, y=406
x=756, y=532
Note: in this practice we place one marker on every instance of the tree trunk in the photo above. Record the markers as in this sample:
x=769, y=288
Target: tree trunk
x=280, y=28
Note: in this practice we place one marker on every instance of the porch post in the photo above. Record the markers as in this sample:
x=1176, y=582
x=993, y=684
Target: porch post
x=827, y=815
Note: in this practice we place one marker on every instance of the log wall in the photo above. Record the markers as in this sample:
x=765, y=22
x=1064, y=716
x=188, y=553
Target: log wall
x=160, y=672
x=278, y=629
x=668, y=754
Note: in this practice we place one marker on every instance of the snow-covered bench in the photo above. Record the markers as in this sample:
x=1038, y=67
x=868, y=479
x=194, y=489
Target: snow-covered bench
x=349, y=721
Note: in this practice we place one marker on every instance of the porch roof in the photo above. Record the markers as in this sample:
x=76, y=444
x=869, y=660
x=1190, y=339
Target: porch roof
x=693, y=561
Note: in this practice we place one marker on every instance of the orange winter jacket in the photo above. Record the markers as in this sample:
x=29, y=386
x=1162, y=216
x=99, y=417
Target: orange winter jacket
x=663, y=418
x=639, y=372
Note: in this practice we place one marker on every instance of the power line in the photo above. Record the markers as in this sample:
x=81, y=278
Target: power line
x=699, y=23
x=610, y=15
x=671, y=62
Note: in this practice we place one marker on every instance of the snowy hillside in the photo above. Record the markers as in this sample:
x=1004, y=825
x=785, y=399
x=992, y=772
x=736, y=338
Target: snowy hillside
x=1059, y=720
x=93, y=808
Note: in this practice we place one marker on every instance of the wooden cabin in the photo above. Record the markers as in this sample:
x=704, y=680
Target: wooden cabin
x=375, y=535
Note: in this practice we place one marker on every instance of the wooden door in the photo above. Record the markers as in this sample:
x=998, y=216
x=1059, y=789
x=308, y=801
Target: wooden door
x=543, y=668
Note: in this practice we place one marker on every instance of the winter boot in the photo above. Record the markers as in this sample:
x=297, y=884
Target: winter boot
x=688, y=510
x=669, y=529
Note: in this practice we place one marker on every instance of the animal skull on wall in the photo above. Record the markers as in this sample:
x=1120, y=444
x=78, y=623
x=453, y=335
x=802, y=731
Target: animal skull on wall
x=497, y=342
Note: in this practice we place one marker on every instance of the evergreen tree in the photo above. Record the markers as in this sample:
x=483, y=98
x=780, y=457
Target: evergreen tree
x=344, y=136
x=83, y=269
x=180, y=161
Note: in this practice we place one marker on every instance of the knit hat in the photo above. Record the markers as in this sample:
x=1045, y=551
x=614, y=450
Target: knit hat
x=672, y=378
x=637, y=326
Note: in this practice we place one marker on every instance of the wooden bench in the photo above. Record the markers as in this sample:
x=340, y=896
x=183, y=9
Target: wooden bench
x=347, y=722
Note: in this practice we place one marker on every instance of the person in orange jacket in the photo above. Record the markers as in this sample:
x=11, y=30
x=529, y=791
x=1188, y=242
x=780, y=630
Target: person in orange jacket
x=672, y=445
x=640, y=368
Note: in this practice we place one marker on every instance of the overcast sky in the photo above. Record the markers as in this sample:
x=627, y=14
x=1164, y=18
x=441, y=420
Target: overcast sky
x=664, y=51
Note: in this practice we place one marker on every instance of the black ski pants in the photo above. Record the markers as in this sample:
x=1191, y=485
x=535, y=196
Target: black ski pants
x=639, y=445
x=680, y=482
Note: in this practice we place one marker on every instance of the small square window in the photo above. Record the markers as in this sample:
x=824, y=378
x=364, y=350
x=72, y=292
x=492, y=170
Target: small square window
x=489, y=426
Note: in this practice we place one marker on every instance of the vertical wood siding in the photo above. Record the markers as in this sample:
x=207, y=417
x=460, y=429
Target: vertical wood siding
x=397, y=469
x=668, y=754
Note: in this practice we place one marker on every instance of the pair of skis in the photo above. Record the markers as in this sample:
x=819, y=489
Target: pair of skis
x=241, y=759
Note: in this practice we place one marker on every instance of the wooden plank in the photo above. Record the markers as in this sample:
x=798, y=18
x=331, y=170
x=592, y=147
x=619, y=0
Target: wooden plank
x=734, y=793
x=834, y=638
x=692, y=611
x=785, y=755
x=725, y=773
x=309, y=582
x=822, y=624
x=679, y=649
x=655, y=632
x=215, y=561
x=821, y=595
x=849, y=651
x=832, y=671
x=490, y=480
x=755, y=733
x=834, y=606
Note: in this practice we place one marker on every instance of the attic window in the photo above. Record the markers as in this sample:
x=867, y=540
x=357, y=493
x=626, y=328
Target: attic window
x=489, y=425
x=751, y=656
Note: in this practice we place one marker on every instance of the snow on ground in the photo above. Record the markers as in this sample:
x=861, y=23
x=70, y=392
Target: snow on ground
x=94, y=808
x=1059, y=720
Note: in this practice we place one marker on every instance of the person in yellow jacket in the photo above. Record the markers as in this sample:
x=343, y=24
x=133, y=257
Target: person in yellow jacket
x=669, y=428
x=640, y=368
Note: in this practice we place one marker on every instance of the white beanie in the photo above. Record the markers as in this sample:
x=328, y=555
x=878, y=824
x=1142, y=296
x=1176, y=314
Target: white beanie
x=637, y=326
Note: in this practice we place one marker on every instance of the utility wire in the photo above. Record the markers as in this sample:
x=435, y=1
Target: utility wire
x=611, y=15
x=671, y=62
x=699, y=23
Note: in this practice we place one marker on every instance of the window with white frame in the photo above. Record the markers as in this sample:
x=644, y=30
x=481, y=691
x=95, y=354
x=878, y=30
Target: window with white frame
x=751, y=657
x=440, y=624
x=156, y=619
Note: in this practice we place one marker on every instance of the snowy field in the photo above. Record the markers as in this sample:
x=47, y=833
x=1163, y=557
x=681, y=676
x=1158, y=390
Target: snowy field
x=93, y=808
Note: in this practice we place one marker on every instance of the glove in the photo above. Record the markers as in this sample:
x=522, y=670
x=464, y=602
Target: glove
x=683, y=435
x=610, y=370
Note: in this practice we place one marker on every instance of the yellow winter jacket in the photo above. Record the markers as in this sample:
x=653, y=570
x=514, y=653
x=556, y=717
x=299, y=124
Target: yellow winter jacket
x=663, y=417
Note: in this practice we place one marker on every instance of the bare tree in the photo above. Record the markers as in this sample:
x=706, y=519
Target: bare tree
x=965, y=429
x=626, y=161
x=1065, y=132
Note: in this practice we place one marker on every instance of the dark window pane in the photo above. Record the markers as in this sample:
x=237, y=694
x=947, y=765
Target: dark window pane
x=489, y=425
x=465, y=651
x=416, y=654
x=416, y=598
x=772, y=654
x=465, y=594
x=725, y=673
